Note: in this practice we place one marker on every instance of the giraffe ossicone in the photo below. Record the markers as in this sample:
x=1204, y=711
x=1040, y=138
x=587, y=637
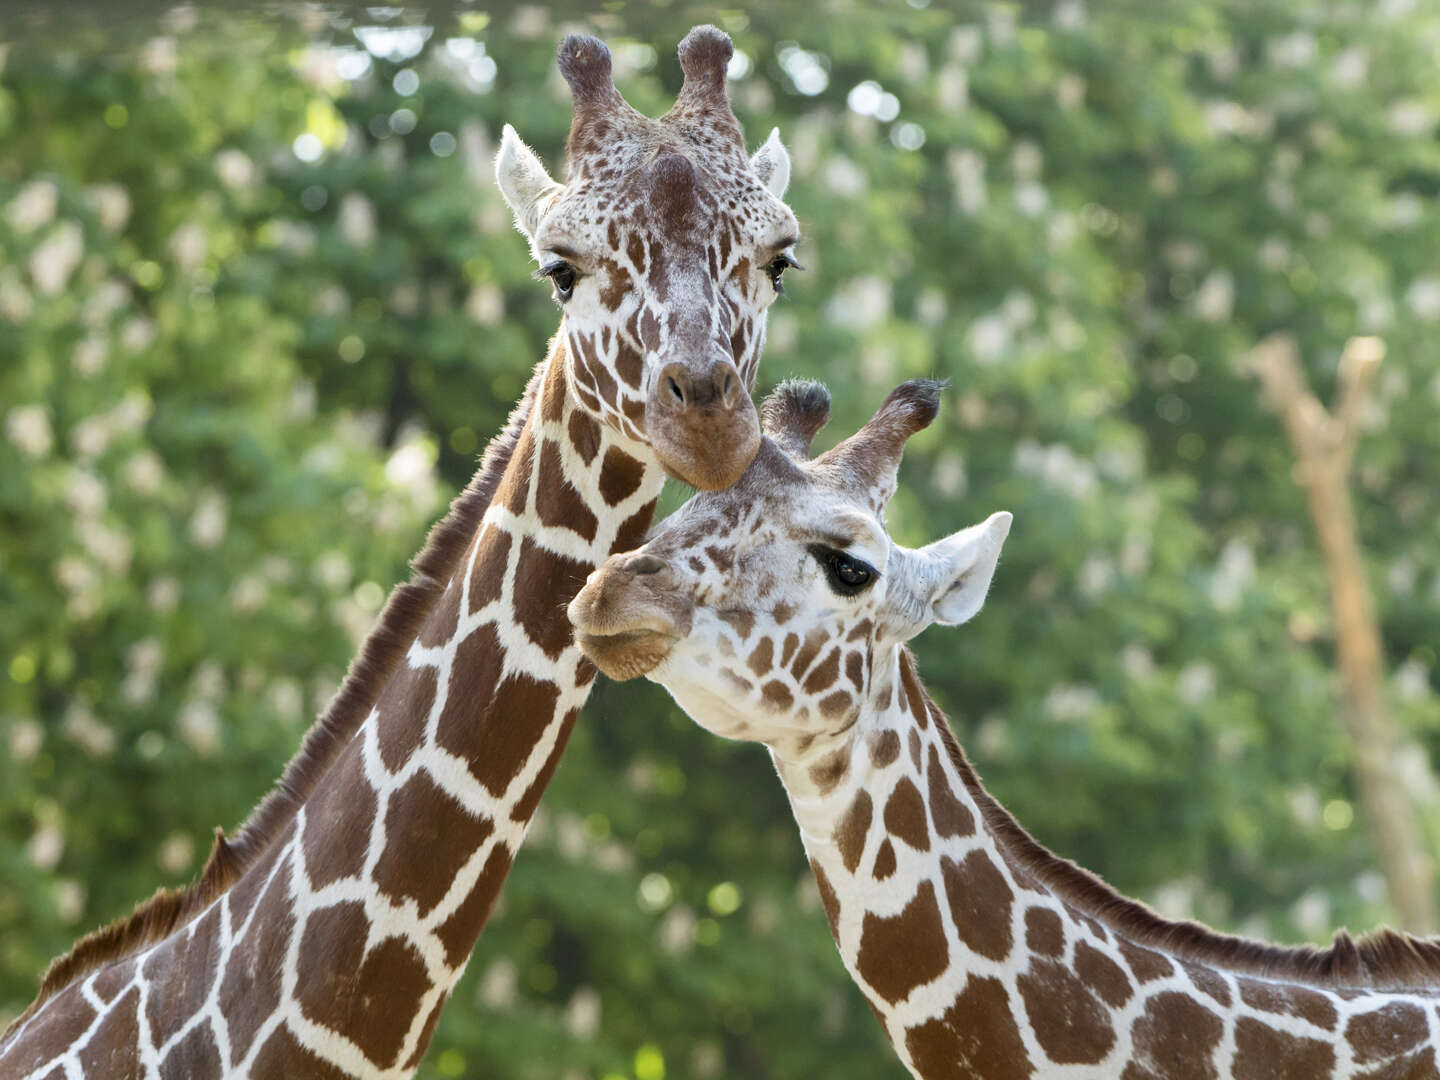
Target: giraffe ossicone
x=324, y=938
x=777, y=611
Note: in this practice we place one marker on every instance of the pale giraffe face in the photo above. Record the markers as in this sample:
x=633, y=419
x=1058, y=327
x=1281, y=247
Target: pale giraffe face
x=767, y=609
x=665, y=247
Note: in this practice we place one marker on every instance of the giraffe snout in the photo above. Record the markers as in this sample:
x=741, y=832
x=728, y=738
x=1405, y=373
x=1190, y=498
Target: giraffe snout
x=629, y=614
x=701, y=422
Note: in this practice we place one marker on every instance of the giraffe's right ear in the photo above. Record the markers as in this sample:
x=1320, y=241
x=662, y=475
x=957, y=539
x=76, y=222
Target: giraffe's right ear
x=523, y=181
x=771, y=164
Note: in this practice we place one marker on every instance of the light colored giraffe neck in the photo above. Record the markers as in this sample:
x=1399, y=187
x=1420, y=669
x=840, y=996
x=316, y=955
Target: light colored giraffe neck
x=381, y=883
x=985, y=956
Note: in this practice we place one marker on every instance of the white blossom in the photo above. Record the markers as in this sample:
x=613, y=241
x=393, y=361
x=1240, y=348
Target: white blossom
x=90, y=356
x=138, y=334
x=26, y=739
x=861, y=302
x=1410, y=118
x=188, y=246
x=28, y=429
x=162, y=595
x=199, y=725
x=486, y=304
x=85, y=493
x=676, y=932
x=208, y=522
x=111, y=204
x=1350, y=68
x=83, y=728
x=1423, y=297
x=582, y=1014
x=52, y=263
x=34, y=206
x=1196, y=682
x=498, y=985
x=16, y=302
x=235, y=169
x=46, y=845
x=1215, y=299
x=357, y=219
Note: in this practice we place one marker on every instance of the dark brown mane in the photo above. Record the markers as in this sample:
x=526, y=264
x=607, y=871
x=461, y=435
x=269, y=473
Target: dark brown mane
x=405, y=612
x=1383, y=960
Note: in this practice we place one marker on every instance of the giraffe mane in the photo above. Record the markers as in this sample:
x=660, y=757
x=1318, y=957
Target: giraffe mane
x=1384, y=959
x=410, y=603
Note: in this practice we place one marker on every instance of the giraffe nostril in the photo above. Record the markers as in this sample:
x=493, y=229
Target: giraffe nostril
x=645, y=565
x=676, y=391
x=728, y=390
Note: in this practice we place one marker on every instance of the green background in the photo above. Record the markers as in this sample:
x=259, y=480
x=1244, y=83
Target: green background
x=236, y=385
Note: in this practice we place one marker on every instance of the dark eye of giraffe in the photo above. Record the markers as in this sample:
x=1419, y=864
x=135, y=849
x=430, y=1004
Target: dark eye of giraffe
x=562, y=275
x=847, y=575
x=777, y=268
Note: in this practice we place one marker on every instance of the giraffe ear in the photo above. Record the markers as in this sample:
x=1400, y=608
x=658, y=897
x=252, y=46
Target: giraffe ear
x=955, y=573
x=523, y=181
x=771, y=164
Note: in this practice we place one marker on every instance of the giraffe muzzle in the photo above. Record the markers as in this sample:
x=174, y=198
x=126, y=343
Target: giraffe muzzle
x=629, y=615
x=702, y=424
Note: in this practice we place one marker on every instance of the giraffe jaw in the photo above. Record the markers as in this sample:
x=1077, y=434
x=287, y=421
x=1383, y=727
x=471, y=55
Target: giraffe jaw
x=629, y=654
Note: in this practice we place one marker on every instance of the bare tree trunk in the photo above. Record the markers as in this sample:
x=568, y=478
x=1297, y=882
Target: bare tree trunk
x=1324, y=445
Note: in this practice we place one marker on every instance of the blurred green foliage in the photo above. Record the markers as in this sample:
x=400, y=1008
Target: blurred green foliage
x=260, y=306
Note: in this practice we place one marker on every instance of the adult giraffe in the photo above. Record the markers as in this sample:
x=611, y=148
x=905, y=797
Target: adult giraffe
x=777, y=611
x=324, y=938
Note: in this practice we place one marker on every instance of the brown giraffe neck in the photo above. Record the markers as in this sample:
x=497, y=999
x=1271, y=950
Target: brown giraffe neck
x=983, y=954
x=377, y=875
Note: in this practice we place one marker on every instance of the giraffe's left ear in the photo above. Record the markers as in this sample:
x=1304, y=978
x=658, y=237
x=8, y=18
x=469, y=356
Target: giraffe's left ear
x=955, y=573
x=523, y=181
x=771, y=164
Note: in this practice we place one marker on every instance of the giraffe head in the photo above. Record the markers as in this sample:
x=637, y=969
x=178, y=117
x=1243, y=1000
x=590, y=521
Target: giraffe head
x=766, y=609
x=665, y=246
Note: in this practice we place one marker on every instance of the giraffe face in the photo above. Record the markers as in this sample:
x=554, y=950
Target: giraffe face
x=664, y=249
x=764, y=608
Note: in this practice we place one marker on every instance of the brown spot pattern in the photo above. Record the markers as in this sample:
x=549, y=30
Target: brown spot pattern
x=884, y=861
x=620, y=476
x=762, y=657
x=1071, y=1025
x=250, y=990
x=488, y=574
x=458, y=932
x=852, y=829
x=1044, y=933
x=831, y=770
x=777, y=695
x=1102, y=975
x=907, y=950
x=828, y=899
x=194, y=1055
x=976, y=1037
x=884, y=747
x=1174, y=1039
x=1145, y=963
x=952, y=817
x=1289, y=1000
x=905, y=815
x=372, y=995
x=980, y=900
x=1394, y=1029
x=404, y=710
x=1263, y=1053
x=824, y=673
x=339, y=816
x=282, y=1055
x=428, y=838
x=556, y=500
x=544, y=584
x=1208, y=982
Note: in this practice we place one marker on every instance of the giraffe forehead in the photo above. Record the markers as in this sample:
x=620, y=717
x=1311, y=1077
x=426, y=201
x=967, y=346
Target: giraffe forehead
x=670, y=195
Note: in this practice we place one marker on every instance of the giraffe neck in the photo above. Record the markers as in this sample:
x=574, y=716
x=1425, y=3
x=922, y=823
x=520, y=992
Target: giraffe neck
x=984, y=955
x=341, y=941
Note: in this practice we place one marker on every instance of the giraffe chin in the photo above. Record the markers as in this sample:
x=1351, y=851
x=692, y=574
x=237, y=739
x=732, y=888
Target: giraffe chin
x=709, y=452
x=628, y=655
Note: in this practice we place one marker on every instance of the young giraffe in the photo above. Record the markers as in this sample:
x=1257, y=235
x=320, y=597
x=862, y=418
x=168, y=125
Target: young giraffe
x=324, y=939
x=777, y=611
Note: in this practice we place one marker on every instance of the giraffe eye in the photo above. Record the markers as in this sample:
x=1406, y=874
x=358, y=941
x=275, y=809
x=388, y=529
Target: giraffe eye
x=562, y=275
x=777, y=268
x=847, y=575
